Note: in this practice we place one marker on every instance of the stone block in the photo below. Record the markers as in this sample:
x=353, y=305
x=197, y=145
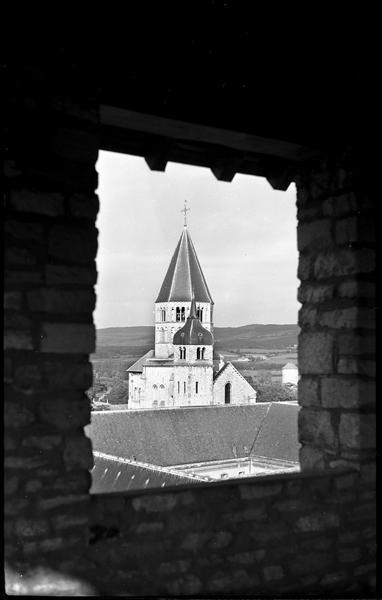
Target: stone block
x=259, y=490
x=368, y=473
x=23, y=277
x=17, y=415
x=61, y=375
x=187, y=585
x=309, y=213
x=61, y=301
x=289, y=505
x=65, y=411
x=307, y=317
x=357, y=430
x=334, y=579
x=319, y=521
x=67, y=275
x=149, y=527
x=33, y=486
x=84, y=206
x=73, y=245
x=314, y=235
x=18, y=320
x=28, y=377
x=32, y=527
x=78, y=453
x=35, y=201
x=315, y=426
x=315, y=294
x=315, y=352
x=340, y=205
x=76, y=144
x=155, y=503
x=13, y=300
x=14, y=255
x=18, y=340
x=355, y=229
x=342, y=482
x=349, y=555
x=43, y=442
x=344, y=262
x=70, y=338
x=349, y=365
x=308, y=391
x=310, y=562
x=221, y=539
x=273, y=572
x=311, y=459
x=11, y=485
x=63, y=501
x=340, y=392
x=305, y=267
x=348, y=318
x=356, y=343
x=352, y=288
x=25, y=231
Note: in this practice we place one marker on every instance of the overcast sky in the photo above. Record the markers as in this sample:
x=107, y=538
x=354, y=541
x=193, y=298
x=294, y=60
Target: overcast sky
x=244, y=233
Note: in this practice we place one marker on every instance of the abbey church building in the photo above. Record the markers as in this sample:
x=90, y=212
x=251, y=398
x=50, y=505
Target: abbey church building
x=183, y=369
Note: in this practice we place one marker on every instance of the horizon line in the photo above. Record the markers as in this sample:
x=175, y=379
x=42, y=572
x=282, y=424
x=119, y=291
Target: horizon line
x=225, y=326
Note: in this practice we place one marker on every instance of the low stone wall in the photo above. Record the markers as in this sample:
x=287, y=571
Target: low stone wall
x=275, y=534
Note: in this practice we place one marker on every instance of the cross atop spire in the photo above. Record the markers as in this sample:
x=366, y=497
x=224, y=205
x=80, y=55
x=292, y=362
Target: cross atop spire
x=185, y=211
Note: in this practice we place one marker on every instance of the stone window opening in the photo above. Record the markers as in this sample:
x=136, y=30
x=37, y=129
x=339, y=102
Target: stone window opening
x=319, y=344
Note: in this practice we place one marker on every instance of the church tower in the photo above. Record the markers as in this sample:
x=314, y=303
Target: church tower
x=193, y=363
x=184, y=278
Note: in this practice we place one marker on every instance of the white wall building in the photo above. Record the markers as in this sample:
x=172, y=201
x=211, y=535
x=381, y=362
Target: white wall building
x=290, y=374
x=182, y=368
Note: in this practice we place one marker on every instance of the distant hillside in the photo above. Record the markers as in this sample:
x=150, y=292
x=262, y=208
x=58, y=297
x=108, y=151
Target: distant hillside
x=137, y=340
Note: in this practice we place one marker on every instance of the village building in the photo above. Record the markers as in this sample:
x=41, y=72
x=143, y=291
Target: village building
x=182, y=369
x=289, y=374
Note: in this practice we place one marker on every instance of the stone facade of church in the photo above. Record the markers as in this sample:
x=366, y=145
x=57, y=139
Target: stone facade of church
x=182, y=369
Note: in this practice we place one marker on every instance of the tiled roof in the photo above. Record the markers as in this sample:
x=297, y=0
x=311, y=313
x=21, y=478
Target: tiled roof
x=277, y=437
x=184, y=275
x=137, y=367
x=113, y=475
x=290, y=365
x=178, y=436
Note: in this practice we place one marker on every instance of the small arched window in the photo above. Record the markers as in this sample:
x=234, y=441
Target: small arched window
x=203, y=350
x=184, y=353
x=177, y=313
x=182, y=314
x=197, y=353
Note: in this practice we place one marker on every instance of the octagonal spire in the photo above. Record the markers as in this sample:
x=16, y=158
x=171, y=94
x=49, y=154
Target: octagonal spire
x=184, y=275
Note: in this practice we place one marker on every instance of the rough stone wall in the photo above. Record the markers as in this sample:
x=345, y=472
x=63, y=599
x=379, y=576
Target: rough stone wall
x=300, y=533
x=336, y=241
x=50, y=272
